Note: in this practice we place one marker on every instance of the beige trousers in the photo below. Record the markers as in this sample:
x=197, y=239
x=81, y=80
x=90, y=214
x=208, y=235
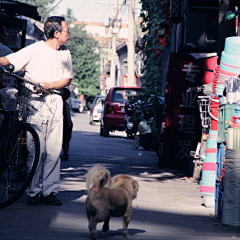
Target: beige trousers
x=48, y=122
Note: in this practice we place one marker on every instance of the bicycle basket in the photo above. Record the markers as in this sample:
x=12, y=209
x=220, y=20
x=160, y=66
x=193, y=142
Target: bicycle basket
x=8, y=97
x=203, y=104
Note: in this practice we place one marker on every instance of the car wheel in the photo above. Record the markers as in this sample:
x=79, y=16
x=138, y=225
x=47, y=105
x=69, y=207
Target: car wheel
x=105, y=131
x=91, y=120
x=101, y=130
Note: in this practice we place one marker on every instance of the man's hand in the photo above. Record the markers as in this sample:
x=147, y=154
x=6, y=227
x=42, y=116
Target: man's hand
x=45, y=85
x=4, y=61
x=56, y=85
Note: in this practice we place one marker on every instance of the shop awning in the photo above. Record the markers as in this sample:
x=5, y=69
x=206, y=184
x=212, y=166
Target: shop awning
x=17, y=8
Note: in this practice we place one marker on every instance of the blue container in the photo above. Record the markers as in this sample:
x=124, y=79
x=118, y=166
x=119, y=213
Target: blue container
x=237, y=111
x=220, y=156
x=219, y=183
x=218, y=200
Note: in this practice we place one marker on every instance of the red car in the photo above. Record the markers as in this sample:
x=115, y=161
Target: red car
x=113, y=113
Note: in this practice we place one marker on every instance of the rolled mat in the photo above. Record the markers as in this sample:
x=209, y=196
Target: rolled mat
x=231, y=203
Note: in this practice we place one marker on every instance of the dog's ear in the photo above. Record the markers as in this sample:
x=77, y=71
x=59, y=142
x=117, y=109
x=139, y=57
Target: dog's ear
x=135, y=187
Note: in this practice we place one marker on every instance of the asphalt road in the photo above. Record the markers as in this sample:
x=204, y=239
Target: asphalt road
x=167, y=207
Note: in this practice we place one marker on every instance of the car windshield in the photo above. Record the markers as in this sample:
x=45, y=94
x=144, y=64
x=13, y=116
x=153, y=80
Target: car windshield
x=122, y=95
x=99, y=101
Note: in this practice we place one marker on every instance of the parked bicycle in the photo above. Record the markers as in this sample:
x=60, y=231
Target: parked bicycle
x=19, y=142
x=200, y=152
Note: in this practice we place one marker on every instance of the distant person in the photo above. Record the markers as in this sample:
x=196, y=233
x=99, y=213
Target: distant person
x=4, y=50
x=67, y=124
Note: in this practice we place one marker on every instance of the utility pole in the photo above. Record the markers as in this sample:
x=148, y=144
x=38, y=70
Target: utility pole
x=131, y=43
x=114, y=42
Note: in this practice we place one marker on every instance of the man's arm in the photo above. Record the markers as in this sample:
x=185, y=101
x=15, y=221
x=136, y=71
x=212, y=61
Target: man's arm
x=4, y=61
x=56, y=85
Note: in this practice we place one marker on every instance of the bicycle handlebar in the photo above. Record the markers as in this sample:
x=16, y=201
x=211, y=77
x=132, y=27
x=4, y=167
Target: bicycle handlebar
x=35, y=85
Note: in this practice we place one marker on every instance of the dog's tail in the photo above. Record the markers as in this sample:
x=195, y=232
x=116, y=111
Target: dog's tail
x=98, y=176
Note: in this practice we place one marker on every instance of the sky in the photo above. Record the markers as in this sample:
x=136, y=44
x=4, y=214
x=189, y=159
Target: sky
x=93, y=10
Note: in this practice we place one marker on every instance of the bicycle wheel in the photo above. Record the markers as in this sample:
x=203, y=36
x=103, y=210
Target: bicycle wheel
x=19, y=156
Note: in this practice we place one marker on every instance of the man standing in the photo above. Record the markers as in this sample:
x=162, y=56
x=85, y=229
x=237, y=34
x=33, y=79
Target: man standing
x=48, y=63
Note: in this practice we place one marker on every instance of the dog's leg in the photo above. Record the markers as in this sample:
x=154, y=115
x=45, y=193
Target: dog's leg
x=126, y=220
x=92, y=223
x=92, y=228
x=106, y=224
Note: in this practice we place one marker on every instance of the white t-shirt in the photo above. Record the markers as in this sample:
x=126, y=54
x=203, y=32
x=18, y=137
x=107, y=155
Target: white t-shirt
x=42, y=63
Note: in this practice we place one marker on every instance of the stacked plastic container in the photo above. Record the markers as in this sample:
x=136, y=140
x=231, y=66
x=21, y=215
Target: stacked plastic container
x=228, y=73
x=216, y=80
x=230, y=68
x=207, y=187
x=214, y=106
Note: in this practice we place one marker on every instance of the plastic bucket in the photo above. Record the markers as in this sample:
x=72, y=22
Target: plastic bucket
x=212, y=144
x=212, y=133
x=208, y=190
x=209, y=200
x=227, y=73
x=209, y=166
x=211, y=150
x=232, y=60
x=229, y=68
x=208, y=178
x=212, y=156
x=210, y=159
x=232, y=45
x=214, y=112
x=219, y=90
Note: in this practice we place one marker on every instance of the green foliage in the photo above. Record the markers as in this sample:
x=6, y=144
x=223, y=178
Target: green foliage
x=156, y=26
x=86, y=61
x=44, y=7
x=69, y=17
x=85, y=57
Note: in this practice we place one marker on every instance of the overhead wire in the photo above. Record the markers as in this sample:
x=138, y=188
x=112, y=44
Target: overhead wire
x=103, y=13
x=90, y=11
x=82, y=5
x=52, y=8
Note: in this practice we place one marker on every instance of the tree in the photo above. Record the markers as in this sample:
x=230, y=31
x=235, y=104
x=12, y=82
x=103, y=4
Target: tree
x=85, y=57
x=45, y=7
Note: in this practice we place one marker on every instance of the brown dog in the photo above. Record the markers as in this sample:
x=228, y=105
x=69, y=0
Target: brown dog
x=109, y=198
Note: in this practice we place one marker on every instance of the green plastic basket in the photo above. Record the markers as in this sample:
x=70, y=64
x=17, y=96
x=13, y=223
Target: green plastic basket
x=225, y=113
